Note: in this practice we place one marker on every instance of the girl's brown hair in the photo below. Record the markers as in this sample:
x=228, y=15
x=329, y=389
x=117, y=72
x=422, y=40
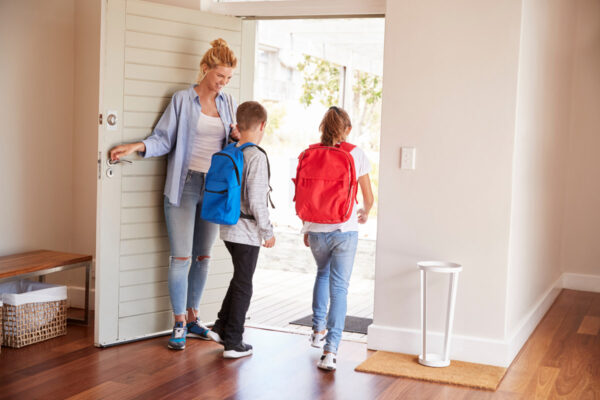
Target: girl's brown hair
x=220, y=54
x=333, y=126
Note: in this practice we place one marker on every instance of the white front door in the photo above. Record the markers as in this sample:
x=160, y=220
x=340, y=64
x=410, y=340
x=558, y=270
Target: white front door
x=149, y=51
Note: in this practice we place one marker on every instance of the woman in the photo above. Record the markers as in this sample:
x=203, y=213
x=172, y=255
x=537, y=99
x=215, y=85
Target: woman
x=334, y=247
x=197, y=123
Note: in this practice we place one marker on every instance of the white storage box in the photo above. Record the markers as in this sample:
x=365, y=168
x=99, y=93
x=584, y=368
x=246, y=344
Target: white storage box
x=32, y=312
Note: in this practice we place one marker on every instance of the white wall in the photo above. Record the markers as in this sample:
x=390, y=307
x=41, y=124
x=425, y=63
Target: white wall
x=85, y=138
x=450, y=73
x=36, y=110
x=540, y=156
x=581, y=249
x=49, y=109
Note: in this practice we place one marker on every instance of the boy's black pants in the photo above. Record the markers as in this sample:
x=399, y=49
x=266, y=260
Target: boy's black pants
x=231, y=318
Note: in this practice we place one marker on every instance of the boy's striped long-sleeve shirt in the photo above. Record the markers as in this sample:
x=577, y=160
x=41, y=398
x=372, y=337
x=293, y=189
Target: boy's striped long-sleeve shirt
x=255, y=192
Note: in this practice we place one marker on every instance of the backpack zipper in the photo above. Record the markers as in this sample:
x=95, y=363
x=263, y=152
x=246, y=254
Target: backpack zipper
x=237, y=174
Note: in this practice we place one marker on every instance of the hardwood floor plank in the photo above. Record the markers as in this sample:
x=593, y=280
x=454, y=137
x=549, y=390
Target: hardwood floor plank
x=544, y=382
x=529, y=360
x=17, y=381
x=578, y=367
x=589, y=326
x=558, y=352
x=105, y=390
x=68, y=380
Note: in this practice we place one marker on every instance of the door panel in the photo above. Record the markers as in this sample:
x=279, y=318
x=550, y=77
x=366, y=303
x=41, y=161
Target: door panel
x=166, y=43
x=150, y=51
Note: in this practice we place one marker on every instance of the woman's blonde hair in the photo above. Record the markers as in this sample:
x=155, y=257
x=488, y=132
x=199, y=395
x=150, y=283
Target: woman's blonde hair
x=218, y=55
x=333, y=126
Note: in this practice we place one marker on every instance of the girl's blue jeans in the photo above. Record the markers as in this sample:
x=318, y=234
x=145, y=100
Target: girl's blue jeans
x=334, y=254
x=191, y=240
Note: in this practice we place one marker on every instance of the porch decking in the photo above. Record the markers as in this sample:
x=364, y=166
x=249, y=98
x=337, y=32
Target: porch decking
x=283, y=296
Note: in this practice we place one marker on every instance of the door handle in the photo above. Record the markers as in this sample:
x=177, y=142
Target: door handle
x=109, y=171
x=110, y=162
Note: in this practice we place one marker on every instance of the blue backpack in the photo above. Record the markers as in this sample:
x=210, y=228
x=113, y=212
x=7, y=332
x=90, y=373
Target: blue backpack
x=223, y=186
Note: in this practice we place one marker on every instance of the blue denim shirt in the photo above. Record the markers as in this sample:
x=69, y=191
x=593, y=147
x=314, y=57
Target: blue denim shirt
x=174, y=134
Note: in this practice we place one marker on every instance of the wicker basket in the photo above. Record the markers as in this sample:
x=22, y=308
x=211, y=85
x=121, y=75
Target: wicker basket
x=32, y=312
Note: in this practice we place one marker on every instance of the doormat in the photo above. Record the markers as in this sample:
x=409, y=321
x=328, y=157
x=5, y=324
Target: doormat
x=479, y=376
x=352, y=324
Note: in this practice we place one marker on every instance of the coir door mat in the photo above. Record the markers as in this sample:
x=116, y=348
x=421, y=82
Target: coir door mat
x=352, y=324
x=462, y=373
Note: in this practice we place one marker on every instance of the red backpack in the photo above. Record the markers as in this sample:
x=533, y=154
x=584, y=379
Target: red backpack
x=326, y=184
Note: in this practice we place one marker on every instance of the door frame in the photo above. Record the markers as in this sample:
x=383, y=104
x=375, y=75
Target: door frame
x=108, y=303
x=291, y=9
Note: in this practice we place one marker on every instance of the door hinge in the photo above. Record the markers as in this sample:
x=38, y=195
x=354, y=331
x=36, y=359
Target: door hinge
x=99, y=119
x=100, y=162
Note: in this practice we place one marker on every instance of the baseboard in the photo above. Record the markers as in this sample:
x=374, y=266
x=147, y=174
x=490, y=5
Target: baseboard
x=527, y=325
x=76, y=297
x=479, y=350
x=586, y=283
x=463, y=348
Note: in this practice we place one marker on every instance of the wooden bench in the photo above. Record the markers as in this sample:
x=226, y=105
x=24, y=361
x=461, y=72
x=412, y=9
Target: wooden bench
x=43, y=262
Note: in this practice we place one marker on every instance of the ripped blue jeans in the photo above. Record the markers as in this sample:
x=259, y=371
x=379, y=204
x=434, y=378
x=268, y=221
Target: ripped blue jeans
x=191, y=238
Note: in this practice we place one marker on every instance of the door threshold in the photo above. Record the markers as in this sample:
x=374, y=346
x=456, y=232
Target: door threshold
x=303, y=332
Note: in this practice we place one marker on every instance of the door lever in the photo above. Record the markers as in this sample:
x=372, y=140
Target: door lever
x=111, y=162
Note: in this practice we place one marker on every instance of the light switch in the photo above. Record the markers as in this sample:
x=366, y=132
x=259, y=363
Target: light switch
x=407, y=158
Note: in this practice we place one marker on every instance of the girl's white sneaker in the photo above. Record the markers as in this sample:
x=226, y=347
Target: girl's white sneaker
x=327, y=362
x=317, y=340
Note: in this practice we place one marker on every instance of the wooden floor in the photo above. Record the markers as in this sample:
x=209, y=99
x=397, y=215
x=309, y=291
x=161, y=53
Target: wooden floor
x=283, y=296
x=561, y=360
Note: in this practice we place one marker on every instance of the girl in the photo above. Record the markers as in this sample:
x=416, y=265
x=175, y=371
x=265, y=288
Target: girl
x=334, y=246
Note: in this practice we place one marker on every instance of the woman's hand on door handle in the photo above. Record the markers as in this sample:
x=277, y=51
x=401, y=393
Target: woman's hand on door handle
x=123, y=150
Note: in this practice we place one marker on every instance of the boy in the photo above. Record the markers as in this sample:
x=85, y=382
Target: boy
x=243, y=239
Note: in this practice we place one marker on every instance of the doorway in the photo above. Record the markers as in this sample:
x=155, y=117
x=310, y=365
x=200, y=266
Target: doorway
x=303, y=66
x=150, y=51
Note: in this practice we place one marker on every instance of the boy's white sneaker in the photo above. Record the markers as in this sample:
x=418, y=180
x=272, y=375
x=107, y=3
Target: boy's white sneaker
x=327, y=362
x=317, y=340
x=241, y=350
x=214, y=336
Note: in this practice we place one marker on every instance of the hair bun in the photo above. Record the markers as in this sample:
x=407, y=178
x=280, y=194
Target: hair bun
x=219, y=43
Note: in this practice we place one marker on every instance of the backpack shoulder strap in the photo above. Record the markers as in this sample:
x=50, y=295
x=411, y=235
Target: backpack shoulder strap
x=347, y=147
x=230, y=147
x=245, y=146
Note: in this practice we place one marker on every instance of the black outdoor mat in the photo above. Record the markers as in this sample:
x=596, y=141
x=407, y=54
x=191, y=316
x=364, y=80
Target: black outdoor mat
x=352, y=324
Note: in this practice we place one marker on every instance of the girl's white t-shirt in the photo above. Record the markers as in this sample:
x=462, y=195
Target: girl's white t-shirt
x=210, y=134
x=363, y=167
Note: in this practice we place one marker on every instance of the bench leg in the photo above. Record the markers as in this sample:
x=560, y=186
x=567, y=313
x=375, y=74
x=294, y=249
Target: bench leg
x=88, y=267
x=86, y=317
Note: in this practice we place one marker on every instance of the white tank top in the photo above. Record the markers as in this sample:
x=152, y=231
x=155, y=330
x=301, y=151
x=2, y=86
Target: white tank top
x=210, y=134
